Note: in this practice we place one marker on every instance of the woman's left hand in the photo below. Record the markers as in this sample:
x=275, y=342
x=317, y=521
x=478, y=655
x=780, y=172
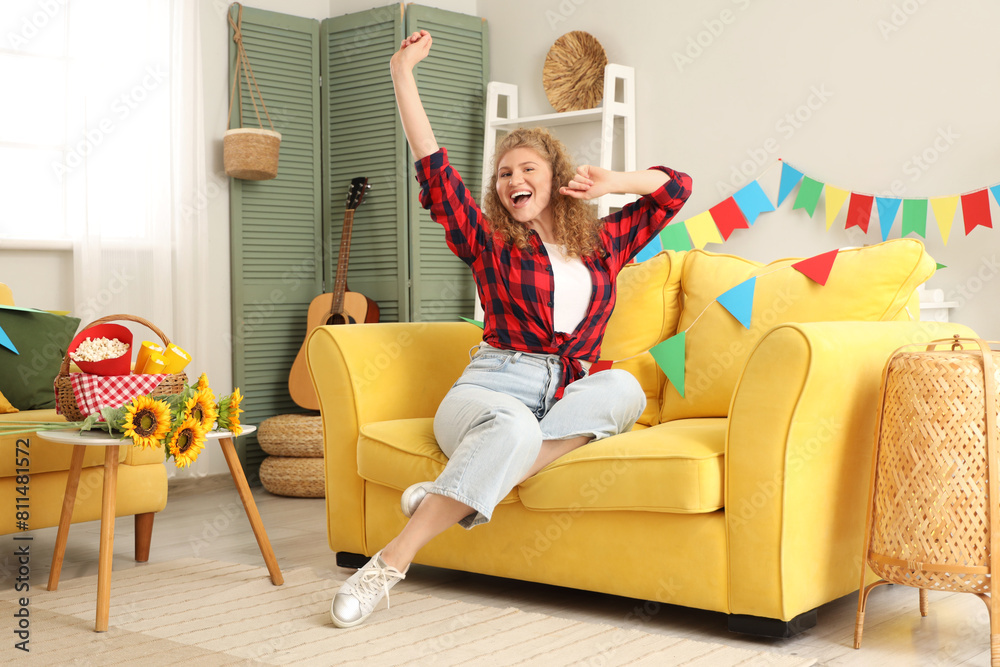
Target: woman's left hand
x=589, y=182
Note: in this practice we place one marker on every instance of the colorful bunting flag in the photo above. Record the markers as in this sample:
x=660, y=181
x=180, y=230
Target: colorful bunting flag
x=944, y=213
x=817, y=268
x=739, y=301
x=6, y=342
x=476, y=322
x=859, y=211
x=703, y=230
x=809, y=193
x=914, y=217
x=835, y=198
x=752, y=201
x=940, y=266
x=996, y=193
x=887, y=209
x=728, y=216
x=600, y=365
x=675, y=237
x=976, y=210
x=654, y=246
x=789, y=179
x=669, y=356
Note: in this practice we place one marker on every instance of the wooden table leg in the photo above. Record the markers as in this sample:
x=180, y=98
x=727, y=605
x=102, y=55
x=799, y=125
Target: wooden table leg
x=69, y=501
x=250, y=507
x=107, y=537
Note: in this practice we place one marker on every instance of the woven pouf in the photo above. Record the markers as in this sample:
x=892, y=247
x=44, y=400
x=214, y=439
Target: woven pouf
x=293, y=476
x=292, y=435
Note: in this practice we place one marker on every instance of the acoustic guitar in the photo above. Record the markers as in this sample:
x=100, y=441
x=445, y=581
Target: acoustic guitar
x=340, y=306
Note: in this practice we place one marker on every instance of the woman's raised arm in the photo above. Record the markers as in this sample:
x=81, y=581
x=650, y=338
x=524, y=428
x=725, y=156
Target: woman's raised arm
x=416, y=126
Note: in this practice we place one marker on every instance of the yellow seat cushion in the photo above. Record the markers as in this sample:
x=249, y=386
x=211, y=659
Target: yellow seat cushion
x=647, y=309
x=675, y=467
x=874, y=283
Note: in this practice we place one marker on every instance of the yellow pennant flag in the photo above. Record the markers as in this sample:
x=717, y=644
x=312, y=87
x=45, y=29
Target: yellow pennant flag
x=944, y=213
x=703, y=230
x=835, y=198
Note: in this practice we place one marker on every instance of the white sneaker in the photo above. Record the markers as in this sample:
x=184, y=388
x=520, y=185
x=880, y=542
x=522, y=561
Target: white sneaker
x=412, y=497
x=363, y=590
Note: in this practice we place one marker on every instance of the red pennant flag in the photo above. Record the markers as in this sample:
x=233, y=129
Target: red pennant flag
x=728, y=216
x=976, y=210
x=600, y=365
x=817, y=268
x=859, y=211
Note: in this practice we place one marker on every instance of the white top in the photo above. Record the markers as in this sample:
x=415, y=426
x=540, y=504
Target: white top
x=572, y=291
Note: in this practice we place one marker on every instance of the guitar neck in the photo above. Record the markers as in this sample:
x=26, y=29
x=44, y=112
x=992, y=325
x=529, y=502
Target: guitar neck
x=340, y=282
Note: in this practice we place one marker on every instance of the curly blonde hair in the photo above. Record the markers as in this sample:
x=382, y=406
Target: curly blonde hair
x=576, y=227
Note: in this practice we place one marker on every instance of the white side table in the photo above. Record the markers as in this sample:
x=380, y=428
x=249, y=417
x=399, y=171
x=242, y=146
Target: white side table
x=80, y=441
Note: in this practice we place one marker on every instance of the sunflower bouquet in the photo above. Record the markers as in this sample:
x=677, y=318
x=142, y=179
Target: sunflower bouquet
x=178, y=422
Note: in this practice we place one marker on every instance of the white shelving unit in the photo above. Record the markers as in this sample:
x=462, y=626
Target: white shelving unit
x=618, y=103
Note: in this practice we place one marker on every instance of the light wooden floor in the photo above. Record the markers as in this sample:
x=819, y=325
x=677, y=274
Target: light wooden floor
x=204, y=519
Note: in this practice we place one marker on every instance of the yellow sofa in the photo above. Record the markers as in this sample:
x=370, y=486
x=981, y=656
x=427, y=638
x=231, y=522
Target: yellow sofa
x=142, y=478
x=745, y=496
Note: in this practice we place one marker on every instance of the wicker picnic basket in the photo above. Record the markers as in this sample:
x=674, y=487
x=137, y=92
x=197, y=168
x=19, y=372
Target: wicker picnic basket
x=934, y=495
x=172, y=384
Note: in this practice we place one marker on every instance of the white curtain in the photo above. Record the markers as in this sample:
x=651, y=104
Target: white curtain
x=137, y=176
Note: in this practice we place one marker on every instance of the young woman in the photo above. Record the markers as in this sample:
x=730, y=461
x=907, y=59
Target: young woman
x=545, y=270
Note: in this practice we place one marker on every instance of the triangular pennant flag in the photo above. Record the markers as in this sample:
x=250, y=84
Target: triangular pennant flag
x=789, y=179
x=944, y=213
x=859, y=211
x=835, y=198
x=651, y=248
x=675, y=237
x=739, y=301
x=752, y=201
x=808, y=197
x=914, y=217
x=887, y=209
x=476, y=322
x=996, y=193
x=976, y=210
x=6, y=342
x=727, y=216
x=703, y=230
x=669, y=356
x=600, y=365
x=817, y=268
x=940, y=266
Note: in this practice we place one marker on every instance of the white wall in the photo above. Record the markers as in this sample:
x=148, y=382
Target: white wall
x=898, y=82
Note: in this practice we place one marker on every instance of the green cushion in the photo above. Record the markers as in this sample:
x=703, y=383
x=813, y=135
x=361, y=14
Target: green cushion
x=41, y=338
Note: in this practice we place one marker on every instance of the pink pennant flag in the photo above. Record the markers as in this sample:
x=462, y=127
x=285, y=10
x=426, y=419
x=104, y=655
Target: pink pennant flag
x=976, y=210
x=817, y=268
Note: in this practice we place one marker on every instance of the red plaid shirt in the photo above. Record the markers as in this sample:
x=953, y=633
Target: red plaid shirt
x=516, y=286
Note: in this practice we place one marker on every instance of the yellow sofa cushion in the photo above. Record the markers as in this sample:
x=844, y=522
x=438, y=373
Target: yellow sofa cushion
x=675, y=467
x=647, y=310
x=874, y=283
x=5, y=406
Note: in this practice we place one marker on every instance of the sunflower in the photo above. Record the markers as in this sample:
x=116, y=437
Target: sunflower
x=187, y=442
x=147, y=421
x=202, y=382
x=229, y=412
x=201, y=408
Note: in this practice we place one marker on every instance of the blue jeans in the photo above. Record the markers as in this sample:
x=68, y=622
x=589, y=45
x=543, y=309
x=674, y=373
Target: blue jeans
x=493, y=420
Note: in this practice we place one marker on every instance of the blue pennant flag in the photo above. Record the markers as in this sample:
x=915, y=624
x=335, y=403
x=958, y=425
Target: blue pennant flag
x=996, y=193
x=887, y=207
x=654, y=246
x=6, y=342
x=752, y=201
x=739, y=301
x=789, y=179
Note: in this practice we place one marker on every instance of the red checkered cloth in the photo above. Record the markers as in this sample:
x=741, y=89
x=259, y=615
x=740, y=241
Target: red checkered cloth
x=93, y=392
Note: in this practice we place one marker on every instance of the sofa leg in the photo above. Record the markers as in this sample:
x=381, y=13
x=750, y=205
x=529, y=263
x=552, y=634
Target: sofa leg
x=143, y=535
x=351, y=560
x=771, y=627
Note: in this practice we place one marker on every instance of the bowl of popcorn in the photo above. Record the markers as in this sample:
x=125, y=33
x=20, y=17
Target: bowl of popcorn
x=103, y=349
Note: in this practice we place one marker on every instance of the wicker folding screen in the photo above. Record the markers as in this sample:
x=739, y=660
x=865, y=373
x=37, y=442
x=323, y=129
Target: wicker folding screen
x=933, y=500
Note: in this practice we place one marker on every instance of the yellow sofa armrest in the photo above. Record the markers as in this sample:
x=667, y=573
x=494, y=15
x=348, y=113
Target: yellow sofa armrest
x=366, y=373
x=798, y=460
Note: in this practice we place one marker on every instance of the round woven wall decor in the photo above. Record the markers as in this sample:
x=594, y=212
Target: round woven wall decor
x=573, y=75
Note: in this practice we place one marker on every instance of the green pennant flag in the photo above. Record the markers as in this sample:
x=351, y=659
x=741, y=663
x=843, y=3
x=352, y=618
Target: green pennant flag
x=669, y=356
x=808, y=195
x=675, y=237
x=940, y=266
x=476, y=322
x=914, y=217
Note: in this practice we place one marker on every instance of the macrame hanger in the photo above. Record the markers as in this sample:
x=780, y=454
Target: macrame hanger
x=243, y=65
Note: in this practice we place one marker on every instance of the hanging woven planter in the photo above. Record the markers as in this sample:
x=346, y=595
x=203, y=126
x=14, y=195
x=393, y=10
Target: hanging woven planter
x=248, y=153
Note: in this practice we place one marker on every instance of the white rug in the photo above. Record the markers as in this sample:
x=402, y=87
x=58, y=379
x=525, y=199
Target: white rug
x=204, y=612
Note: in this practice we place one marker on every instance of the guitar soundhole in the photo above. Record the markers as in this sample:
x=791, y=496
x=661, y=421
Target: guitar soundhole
x=340, y=319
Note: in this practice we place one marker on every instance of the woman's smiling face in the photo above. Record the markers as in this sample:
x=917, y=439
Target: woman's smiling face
x=524, y=183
